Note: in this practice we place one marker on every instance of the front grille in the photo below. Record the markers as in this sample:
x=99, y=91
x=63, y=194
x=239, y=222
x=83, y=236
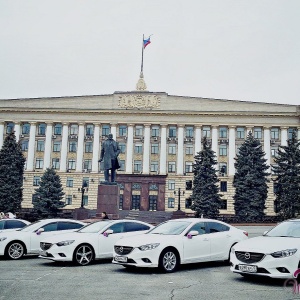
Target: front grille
x=122, y=250
x=249, y=257
x=45, y=246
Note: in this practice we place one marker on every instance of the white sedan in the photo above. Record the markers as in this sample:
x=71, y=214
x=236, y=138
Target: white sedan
x=94, y=241
x=15, y=244
x=178, y=242
x=12, y=224
x=276, y=254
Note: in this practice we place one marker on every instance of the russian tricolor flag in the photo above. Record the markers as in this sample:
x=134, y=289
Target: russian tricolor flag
x=146, y=42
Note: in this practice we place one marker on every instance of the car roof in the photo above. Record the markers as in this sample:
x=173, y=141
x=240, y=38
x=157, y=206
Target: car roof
x=14, y=220
x=64, y=220
x=194, y=220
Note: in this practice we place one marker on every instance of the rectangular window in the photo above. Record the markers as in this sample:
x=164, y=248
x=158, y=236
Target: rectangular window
x=172, y=149
x=24, y=145
x=189, y=150
x=25, y=128
x=152, y=202
x=69, y=199
x=40, y=145
x=274, y=152
x=122, y=130
x=39, y=163
x=88, y=147
x=206, y=131
x=223, y=132
x=257, y=132
x=10, y=127
x=188, y=167
x=154, y=148
x=223, y=169
x=155, y=131
x=274, y=133
x=72, y=146
x=74, y=129
x=36, y=180
x=87, y=164
x=171, y=166
x=189, y=185
x=85, y=200
x=154, y=166
x=122, y=147
x=138, y=148
x=188, y=203
x=290, y=132
x=89, y=129
x=42, y=129
x=240, y=132
x=57, y=129
x=223, y=204
x=223, y=186
x=122, y=165
x=55, y=163
x=171, y=202
x=135, y=201
x=223, y=150
x=105, y=130
x=71, y=164
x=70, y=182
x=138, y=130
x=137, y=166
x=172, y=131
x=86, y=182
x=171, y=184
x=189, y=131
x=56, y=146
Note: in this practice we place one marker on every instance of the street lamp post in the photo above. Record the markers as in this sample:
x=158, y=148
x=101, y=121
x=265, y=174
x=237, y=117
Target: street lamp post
x=179, y=194
x=82, y=190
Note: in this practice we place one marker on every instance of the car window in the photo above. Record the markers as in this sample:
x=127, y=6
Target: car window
x=50, y=227
x=212, y=227
x=68, y=225
x=14, y=224
x=170, y=228
x=200, y=227
x=117, y=228
x=134, y=226
x=2, y=224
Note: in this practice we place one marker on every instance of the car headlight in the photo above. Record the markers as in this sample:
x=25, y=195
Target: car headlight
x=284, y=253
x=3, y=238
x=148, y=247
x=65, y=243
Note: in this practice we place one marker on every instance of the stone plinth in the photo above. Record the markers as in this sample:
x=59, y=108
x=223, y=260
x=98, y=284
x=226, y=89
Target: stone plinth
x=178, y=214
x=81, y=213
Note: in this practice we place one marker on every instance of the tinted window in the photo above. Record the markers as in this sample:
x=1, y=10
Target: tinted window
x=117, y=228
x=14, y=224
x=200, y=227
x=50, y=227
x=132, y=226
x=1, y=224
x=213, y=227
x=68, y=225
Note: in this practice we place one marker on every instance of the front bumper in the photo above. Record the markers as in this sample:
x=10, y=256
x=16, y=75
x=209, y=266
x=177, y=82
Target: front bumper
x=55, y=253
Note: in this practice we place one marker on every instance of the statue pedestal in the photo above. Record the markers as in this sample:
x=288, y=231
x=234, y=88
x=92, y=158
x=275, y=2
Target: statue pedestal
x=81, y=213
x=108, y=200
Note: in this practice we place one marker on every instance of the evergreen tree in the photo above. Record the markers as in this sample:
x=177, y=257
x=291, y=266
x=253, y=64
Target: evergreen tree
x=250, y=181
x=47, y=198
x=205, y=197
x=287, y=172
x=12, y=164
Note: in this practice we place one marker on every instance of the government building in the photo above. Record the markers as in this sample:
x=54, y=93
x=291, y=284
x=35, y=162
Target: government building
x=158, y=134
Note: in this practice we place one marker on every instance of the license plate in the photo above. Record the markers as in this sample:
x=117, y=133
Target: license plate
x=249, y=269
x=121, y=258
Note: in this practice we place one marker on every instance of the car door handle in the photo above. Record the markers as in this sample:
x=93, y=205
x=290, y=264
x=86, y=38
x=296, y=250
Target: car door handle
x=205, y=240
x=228, y=235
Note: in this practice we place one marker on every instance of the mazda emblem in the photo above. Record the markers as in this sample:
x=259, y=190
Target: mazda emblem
x=121, y=249
x=247, y=255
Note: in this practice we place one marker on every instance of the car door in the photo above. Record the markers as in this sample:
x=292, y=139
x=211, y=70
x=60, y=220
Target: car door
x=196, y=248
x=220, y=240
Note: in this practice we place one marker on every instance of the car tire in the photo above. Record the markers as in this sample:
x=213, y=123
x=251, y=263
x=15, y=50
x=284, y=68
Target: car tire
x=169, y=260
x=83, y=255
x=15, y=250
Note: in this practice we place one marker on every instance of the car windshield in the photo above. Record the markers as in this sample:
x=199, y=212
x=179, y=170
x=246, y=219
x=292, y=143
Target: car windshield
x=285, y=229
x=94, y=227
x=170, y=228
x=31, y=227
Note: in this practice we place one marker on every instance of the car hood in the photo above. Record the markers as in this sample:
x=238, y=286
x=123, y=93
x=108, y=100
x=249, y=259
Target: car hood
x=77, y=236
x=265, y=244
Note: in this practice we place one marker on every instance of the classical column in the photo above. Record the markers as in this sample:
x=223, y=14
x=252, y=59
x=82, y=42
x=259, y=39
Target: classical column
x=179, y=169
x=267, y=146
x=284, y=136
x=48, y=142
x=146, y=154
x=214, y=142
x=17, y=131
x=198, y=139
x=96, y=143
x=1, y=133
x=64, y=148
x=129, y=149
x=31, y=146
x=163, y=150
x=298, y=133
x=231, y=150
x=79, y=157
x=113, y=131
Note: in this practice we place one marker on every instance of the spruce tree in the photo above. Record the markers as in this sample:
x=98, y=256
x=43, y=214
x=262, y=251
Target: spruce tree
x=287, y=172
x=47, y=198
x=12, y=164
x=250, y=181
x=205, y=197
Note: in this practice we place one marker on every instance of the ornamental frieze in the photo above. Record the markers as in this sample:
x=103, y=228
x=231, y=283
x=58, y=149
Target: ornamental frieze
x=139, y=101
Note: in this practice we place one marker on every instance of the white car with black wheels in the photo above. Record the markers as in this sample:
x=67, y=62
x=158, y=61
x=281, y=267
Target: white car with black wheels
x=94, y=241
x=15, y=244
x=176, y=242
x=276, y=254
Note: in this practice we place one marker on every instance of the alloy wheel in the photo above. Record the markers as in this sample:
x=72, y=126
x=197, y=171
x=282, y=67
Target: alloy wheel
x=15, y=250
x=169, y=261
x=83, y=255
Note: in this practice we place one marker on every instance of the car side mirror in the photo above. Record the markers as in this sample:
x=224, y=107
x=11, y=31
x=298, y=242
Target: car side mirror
x=192, y=233
x=108, y=232
x=40, y=230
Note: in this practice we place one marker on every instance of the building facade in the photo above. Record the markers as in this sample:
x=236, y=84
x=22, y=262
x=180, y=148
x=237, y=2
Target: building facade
x=158, y=134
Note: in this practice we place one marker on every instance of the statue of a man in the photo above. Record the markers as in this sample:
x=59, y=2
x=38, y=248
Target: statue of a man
x=109, y=154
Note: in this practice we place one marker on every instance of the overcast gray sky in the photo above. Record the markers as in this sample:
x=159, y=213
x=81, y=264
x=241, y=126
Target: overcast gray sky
x=225, y=49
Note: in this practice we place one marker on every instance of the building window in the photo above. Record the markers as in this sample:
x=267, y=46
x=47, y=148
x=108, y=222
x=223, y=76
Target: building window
x=135, y=201
x=223, y=132
x=88, y=147
x=275, y=187
x=42, y=129
x=154, y=148
x=290, y=132
x=39, y=163
x=40, y=145
x=57, y=129
x=138, y=148
x=223, y=204
x=153, y=187
x=69, y=199
x=274, y=133
x=257, y=133
x=71, y=164
x=72, y=146
x=274, y=152
x=86, y=181
x=155, y=131
x=223, y=150
x=89, y=129
x=153, y=202
x=24, y=145
x=240, y=132
x=171, y=166
x=87, y=164
x=25, y=128
x=171, y=184
x=85, y=200
x=56, y=146
x=137, y=167
x=69, y=182
x=189, y=185
x=189, y=131
x=122, y=130
x=34, y=198
x=223, y=169
x=154, y=166
x=237, y=149
x=10, y=127
x=206, y=131
x=172, y=149
x=172, y=131
x=189, y=150
x=188, y=203
x=138, y=130
x=188, y=167
x=105, y=130
x=122, y=165
x=74, y=129
x=122, y=147
x=36, y=180
x=171, y=202
x=223, y=186
x=55, y=163
x=121, y=201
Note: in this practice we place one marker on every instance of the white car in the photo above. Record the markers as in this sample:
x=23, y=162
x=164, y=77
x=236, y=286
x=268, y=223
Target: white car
x=94, y=241
x=15, y=244
x=12, y=224
x=276, y=254
x=178, y=242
